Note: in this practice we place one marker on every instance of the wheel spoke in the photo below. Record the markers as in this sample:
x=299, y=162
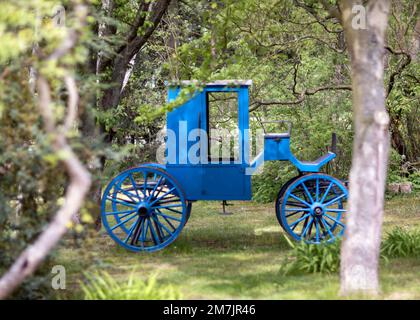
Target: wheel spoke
x=300, y=209
x=299, y=199
x=335, y=210
x=169, y=217
x=307, y=227
x=121, y=202
x=310, y=228
x=317, y=190
x=155, y=238
x=154, y=189
x=134, y=185
x=328, y=229
x=335, y=220
x=316, y=230
x=307, y=192
x=162, y=185
x=334, y=200
x=122, y=222
x=112, y=213
x=169, y=200
x=174, y=210
x=138, y=231
x=128, y=194
x=143, y=231
x=145, y=184
x=157, y=199
x=326, y=192
x=146, y=226
x=168, y=206
x=167, y=221
x=293, y=213
x=296, y=204
x=131, y=230
x=158, y=228
x=299, y=220
x=162, y=225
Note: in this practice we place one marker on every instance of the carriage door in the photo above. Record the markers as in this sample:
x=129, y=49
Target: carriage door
x=224, y=175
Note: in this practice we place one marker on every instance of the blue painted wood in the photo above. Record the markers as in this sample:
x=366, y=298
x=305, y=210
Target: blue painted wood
x=276, y=149
x=211, y=181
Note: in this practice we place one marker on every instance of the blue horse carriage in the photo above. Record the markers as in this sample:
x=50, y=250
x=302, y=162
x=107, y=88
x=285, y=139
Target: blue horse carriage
x=145, y=208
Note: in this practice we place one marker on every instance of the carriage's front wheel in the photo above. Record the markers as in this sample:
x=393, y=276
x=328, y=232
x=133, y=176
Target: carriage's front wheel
x=144, y=209
x=312, y=208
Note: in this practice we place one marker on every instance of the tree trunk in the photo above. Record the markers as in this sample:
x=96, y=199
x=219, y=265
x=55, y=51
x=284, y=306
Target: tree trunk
x=120, y=69
x=361, y=244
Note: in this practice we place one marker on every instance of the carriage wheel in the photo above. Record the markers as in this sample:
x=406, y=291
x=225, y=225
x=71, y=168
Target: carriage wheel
x=189, y=208
x=144, y=209
x=312, y=208
x=281, y=193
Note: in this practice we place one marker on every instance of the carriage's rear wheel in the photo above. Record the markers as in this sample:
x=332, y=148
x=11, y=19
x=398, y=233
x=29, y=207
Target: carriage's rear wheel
x=189, y=208
x=312, y=208
x=144, y=209
x=280, y=196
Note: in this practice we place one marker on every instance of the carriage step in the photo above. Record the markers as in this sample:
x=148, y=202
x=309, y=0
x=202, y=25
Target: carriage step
x=224, y=205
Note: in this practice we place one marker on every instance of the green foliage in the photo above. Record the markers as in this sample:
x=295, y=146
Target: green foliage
x=102, y=286
x=325, y=258
x=401, y=242
x=267, y=185
x=414, y=178
x=309, y=258
x=32, y=179
x=402, y=171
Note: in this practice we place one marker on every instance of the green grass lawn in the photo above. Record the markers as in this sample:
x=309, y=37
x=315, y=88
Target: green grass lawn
x=235, y=257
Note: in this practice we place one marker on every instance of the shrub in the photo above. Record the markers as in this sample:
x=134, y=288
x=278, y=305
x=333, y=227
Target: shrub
x=310, y=258
x=400, y=242
x=102, y=286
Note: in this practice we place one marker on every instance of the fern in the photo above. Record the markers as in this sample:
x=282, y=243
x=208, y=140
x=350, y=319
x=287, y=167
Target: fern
x=400, y=242
x=102, y=286
x=309, y=258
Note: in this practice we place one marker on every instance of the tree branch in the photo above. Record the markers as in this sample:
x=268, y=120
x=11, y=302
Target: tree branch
x=301, y=96
x=399, y=70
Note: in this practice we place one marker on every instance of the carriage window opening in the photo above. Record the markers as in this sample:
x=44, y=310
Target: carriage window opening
x=222, y=108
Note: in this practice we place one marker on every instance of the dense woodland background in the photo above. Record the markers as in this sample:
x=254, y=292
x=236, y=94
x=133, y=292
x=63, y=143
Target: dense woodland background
x=122, y=53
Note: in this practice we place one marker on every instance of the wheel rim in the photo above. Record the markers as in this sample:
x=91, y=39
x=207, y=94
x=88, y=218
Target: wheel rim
x=312, y=209
x=143, y=209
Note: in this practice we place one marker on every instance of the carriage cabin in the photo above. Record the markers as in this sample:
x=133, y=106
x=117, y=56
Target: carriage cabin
x=209, y=149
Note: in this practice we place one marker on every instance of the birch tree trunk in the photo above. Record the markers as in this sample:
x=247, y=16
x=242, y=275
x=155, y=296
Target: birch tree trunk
x=361, y=245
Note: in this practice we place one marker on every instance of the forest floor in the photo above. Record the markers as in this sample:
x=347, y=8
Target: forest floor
x=235, y=256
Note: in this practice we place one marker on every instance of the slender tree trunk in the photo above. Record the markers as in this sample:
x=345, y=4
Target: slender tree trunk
x=29, y=260
x=361, y=245
x=120, y=68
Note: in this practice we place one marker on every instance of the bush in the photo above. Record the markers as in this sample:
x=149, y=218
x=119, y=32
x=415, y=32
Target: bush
x=102, y=286
x=310, y=258
x=401, y=243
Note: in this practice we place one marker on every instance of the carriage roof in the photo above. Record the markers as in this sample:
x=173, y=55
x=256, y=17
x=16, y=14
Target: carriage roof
x=218, y=83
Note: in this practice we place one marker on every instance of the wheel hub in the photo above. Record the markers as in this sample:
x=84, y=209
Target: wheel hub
x=143, y=210
x=317, y=210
